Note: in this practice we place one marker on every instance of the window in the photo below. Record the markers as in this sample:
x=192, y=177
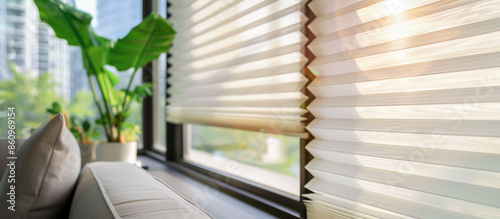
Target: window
x=268, y=159
x=37, y=69
x=235, y=86
x=105, y=14
x=26, y=80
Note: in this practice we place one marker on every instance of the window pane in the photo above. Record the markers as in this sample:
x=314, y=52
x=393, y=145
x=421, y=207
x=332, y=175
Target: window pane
x=159, y=98
x=37, y=69
x=129, y=14
x=268, y=159
x=34, y=68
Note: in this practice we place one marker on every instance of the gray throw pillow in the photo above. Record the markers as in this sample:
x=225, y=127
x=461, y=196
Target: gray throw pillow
x=46, y=171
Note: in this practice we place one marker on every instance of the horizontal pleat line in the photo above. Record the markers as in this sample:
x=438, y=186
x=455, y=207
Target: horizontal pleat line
x=243, y=23
x=398, y=171
x=280, y=84
x=340, y=7
x=459, y=80
x=404, y=201
x=450, y=96
x=205, y=10
x=274, y=27
x=249, y=110
x=288, y=128
x=376, y=12
x=247, y=37
x=350, y=46
x=472, y=19
x=283, y=64
x=226, y=60
x=187, y=6
x=484, y=128
x=240, y=57
x=234, y=81
x=192, y=28
x=323, y=210
x=334, y=202
x=431, y=185
x=241, y=63
x=468, y=46
x=462, y=111
x=359, y=83
x=322, y=7
x=293, y=99
x=228, y=44
x=236, y=115
x=182, y=10
x=487, y=159
x=458, y=64
x=426, y=141
x=356, y=26
x=264, y=89
x=209, y=17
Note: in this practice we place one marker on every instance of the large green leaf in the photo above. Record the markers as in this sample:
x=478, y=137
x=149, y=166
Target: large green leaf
x=56, y=108
x=99, y=56
x=67, y=22
x=113, y=79
x=105, y=80
x=86, y=126
x=74, y=26
x=144, y=43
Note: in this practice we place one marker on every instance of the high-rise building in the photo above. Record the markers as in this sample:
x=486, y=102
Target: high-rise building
x=59, y=64
x=78, y=74
x=79, y=79
x=31, y=45
x=21, y=20
x=44, y=47
x=3, y=40
x=115, y=18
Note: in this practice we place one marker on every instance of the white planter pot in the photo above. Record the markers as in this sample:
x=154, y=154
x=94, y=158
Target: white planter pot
x=115, y=151
x=87, y=151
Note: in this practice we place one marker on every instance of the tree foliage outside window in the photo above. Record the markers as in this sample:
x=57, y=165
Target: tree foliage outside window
x=32, y=96
x=248, y=147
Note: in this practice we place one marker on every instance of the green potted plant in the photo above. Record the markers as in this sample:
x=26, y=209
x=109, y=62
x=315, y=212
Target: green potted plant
x=144, y=43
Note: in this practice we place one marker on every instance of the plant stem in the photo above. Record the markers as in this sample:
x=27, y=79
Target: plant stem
x=111, y=93
x=109, y=110
x=127, y=91
x=128, y=105
x=93, y=68
x=96, y=101
x=115, y=125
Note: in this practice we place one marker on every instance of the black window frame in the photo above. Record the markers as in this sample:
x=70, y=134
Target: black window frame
x=272, y=201
x=147, y=102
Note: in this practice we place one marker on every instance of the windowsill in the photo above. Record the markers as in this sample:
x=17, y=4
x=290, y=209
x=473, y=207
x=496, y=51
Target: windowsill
x=215, y=202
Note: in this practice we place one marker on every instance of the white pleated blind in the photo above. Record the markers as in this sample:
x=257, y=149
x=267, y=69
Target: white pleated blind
x=237, y=64
x=407, y=109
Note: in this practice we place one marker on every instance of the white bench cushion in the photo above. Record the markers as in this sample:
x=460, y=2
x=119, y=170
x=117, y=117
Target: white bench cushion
x=122, y=190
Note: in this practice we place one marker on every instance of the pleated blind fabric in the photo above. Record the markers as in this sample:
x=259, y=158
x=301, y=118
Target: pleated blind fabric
x=407, y=109
x=237, y=64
